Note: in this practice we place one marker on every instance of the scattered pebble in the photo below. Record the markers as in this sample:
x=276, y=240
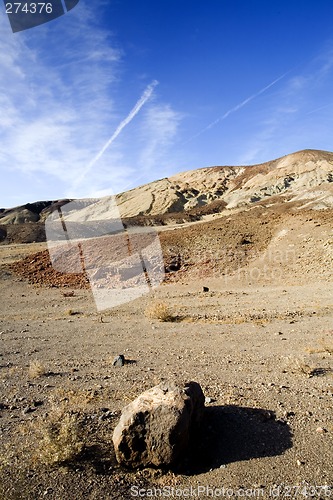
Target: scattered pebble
x=27, y=410
x=289, y=414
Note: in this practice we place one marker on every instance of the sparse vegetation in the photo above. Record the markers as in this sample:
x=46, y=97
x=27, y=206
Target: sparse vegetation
x=160, y=311
x=299, y=365
x=61, y=438
x=70, y=312
x=36, y=369
x=326, y=347
x=69, y=399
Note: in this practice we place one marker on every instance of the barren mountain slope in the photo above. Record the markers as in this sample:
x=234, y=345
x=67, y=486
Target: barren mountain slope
x=305, y=176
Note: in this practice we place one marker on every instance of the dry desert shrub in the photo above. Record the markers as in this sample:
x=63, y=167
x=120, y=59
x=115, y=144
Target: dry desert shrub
x=71, y=312
x=6, y=456
x=158, y=310
x=36, y=369
x=69, y=399
x=60, y=436
x=298, y=365
x=326, y=347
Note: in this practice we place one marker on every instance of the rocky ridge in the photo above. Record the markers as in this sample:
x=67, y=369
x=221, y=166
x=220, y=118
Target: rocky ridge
x=304, y=177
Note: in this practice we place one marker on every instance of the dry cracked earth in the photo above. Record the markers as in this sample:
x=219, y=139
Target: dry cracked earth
x=259, y=342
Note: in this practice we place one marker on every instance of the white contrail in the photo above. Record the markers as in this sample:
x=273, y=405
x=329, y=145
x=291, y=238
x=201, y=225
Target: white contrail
x=236, y=108
x=143, y=99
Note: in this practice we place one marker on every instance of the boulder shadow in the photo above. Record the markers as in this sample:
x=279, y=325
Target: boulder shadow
x=130, y=361
x=234, y=433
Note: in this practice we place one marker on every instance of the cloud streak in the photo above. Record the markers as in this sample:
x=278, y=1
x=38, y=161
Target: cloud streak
x=132, y=114
x=237, y=107
x=297, y=118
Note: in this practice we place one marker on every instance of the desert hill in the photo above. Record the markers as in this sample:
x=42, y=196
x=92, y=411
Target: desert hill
x=211, y=222
x=301, y=180
x=305, y=177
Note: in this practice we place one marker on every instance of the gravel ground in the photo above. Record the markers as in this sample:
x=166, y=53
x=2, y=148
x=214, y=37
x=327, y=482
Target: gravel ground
x=260, y=348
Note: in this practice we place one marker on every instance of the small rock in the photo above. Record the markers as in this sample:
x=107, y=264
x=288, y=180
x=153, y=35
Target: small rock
x=281, y=422
x=321, y=430
x=205, y=289
x=267, y=415
x=208, y=400
x=300, y=462
x=288, y=414
x=110, y=414
x=28, y=409
x=119, y=360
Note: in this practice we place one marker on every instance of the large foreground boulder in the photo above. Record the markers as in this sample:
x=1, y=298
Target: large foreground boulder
x=154, y=430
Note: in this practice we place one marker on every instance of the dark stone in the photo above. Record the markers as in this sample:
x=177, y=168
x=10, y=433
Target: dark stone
x=119, y=360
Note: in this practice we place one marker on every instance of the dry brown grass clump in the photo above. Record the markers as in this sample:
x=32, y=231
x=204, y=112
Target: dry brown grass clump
x=299, y=365
x=36, y=369
x=73, y=400
x=160, y=311
x=326, y=347
x=71, y=312
x=60, y=438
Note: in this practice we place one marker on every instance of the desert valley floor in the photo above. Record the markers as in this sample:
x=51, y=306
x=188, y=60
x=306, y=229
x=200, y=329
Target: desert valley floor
x=258, y=342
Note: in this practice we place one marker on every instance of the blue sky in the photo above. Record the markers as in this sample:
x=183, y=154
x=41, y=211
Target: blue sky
x=122, y=92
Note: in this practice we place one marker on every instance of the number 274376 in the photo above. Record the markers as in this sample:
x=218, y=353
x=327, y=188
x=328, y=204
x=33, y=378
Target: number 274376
x=32, y=8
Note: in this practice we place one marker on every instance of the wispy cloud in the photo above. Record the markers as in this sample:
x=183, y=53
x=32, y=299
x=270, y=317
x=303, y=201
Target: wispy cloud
x=50, y=118
x=59, y=98
x=159, y=131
